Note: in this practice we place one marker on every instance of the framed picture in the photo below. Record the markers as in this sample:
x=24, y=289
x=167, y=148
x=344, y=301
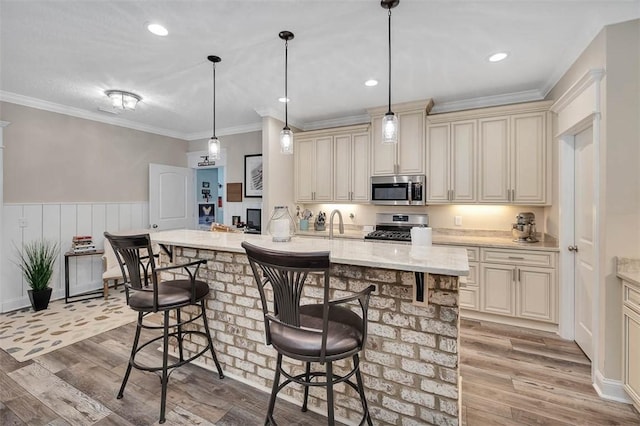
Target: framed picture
x=205, y=184
x=206, y=214
x=206, y=192
x=253, y=176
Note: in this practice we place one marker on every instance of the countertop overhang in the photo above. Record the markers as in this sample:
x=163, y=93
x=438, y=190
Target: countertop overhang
x=404, y=257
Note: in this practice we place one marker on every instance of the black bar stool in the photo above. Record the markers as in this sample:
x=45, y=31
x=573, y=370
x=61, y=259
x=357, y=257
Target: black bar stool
x=146, y=294
x=322, y=333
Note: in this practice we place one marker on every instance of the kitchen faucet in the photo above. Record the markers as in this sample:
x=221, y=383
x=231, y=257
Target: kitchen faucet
x=340, y=223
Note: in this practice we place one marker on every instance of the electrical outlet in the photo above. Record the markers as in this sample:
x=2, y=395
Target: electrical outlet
x=22, y=222
x=457, y=220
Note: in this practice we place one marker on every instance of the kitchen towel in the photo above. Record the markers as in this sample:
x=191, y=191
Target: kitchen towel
x=421, y=236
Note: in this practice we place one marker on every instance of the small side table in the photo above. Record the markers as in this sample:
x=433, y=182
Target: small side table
x=92, y=294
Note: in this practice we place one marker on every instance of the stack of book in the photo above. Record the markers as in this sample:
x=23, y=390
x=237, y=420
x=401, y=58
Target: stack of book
x=83, y=244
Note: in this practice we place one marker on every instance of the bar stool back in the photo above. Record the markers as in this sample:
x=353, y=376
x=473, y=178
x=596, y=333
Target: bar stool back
x=317, y=333
x=146, y=294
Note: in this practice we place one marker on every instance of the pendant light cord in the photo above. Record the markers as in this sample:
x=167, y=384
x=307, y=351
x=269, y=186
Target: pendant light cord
x=389, y=111
x=214, y=100
x=286, y=78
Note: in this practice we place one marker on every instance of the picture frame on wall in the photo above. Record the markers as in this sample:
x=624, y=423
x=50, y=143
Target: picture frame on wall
x=205, y=184
x=253, y=176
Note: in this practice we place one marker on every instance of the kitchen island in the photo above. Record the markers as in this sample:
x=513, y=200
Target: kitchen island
x=410, y=364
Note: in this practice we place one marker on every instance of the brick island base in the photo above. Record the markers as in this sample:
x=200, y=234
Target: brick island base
x=409, y=366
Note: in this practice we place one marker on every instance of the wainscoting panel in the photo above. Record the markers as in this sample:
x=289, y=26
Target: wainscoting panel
x=60, y=222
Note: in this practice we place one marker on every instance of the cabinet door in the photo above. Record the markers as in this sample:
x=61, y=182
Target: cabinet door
x=411, y=143
x=304, y=168
x=383, y=157
x=498, y=296
x=631, y=353
x=463, y=164
x=493, y=147
x=470, y=292
x=360, y=177
x=536, y=295
x=528, y=158
x=342, y=161
x=438, y=163
x=323, y=172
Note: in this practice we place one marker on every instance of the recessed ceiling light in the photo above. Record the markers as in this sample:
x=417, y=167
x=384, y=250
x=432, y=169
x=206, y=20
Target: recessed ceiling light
x=497, y=57
x=371, y=83
x=283, y=99
x=157, y=29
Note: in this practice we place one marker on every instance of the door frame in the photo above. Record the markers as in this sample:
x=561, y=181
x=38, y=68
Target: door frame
x=576, y=110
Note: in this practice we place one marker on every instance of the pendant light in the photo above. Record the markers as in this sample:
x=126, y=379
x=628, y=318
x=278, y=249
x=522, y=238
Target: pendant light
x=286, y=135
x=214, y=143
x=389, y=121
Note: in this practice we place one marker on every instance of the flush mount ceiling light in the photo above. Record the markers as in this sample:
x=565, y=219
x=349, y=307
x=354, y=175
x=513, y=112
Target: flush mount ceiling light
x=371, y=83
x=214, y=143
x=157, y=29
x=389, y=121
x=497, y=57
x=123, y=100
x=286, y=135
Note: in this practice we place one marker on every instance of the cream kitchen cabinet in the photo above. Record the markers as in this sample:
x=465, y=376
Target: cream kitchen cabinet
x=351, y=166
x=631, y=339
x=313, y=168
x=451, y=162
x=519, y=283
x=513, y=163
x=469, y=292
x=407, y=157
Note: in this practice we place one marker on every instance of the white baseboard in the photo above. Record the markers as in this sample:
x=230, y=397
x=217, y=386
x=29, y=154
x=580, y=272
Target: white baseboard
x=610, y=389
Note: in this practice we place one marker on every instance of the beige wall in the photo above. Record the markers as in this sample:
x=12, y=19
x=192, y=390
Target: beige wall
x=616, y=49
x=236, y=146
x=51, y=157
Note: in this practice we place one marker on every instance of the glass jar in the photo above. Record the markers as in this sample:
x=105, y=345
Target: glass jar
x=281, y=226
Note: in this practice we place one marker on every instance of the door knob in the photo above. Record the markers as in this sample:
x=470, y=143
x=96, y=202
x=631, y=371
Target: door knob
x=154, y=226
x=573, y=248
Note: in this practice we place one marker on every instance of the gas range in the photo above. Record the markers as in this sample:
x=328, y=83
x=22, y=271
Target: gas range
x=396, y=226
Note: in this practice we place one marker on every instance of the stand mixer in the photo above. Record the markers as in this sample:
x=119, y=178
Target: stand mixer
x=524, y=230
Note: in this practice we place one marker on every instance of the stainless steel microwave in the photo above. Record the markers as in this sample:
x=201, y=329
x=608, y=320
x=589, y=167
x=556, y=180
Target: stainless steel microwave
x=398, y=190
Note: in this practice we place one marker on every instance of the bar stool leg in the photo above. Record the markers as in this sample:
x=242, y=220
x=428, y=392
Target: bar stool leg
x=274, y=392
x=206, y=329
x=330, y=416
x=363, y=399
x=165, y=362
x=134, y=348
x=179, y=326
x=306, y=388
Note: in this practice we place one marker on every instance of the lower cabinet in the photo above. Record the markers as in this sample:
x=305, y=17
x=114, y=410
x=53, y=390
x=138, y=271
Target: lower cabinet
x=631, y=340
x=520, y=284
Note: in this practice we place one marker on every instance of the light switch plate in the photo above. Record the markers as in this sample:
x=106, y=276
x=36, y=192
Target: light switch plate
x=457, y=220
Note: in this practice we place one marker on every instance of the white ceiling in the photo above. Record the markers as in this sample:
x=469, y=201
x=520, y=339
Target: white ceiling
x=62, y=55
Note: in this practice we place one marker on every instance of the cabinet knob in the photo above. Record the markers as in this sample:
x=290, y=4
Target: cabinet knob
x=573, y=248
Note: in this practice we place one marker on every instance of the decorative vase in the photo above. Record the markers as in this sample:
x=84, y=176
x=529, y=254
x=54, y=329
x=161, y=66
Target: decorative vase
x=40, y=298
x=281, y=226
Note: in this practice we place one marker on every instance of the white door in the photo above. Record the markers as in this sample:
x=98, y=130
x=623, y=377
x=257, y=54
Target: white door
x=171, y=197
x=584, y=237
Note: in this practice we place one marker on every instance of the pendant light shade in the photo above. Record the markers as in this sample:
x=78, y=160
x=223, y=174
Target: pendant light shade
x=214, y=143
x=389, y=121
x=286, y=135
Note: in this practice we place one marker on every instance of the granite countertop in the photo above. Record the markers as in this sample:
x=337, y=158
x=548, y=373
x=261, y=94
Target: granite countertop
x=628, y=270
x=470, y=238
x=436, y=260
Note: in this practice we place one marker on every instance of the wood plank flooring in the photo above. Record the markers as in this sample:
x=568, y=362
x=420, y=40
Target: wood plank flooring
x=510, y=376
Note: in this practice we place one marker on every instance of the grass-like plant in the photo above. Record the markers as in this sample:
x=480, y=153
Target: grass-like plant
x=37, y=261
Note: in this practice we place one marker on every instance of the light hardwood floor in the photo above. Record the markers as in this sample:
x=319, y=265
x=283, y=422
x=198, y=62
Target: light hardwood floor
x=510, y=376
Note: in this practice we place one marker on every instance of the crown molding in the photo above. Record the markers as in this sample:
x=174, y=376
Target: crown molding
x=486, y=101
x=590, y=77
x=337, y=122
x=81, y=113
x=245, y=128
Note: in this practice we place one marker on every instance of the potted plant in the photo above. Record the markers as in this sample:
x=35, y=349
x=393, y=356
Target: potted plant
x=37, y=261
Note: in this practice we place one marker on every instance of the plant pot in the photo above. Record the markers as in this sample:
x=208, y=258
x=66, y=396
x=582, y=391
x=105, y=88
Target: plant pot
x=40, y=298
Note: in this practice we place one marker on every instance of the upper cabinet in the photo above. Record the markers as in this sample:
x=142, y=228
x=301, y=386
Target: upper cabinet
x=498, y=155
x=332, y=165
x=408, y=155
